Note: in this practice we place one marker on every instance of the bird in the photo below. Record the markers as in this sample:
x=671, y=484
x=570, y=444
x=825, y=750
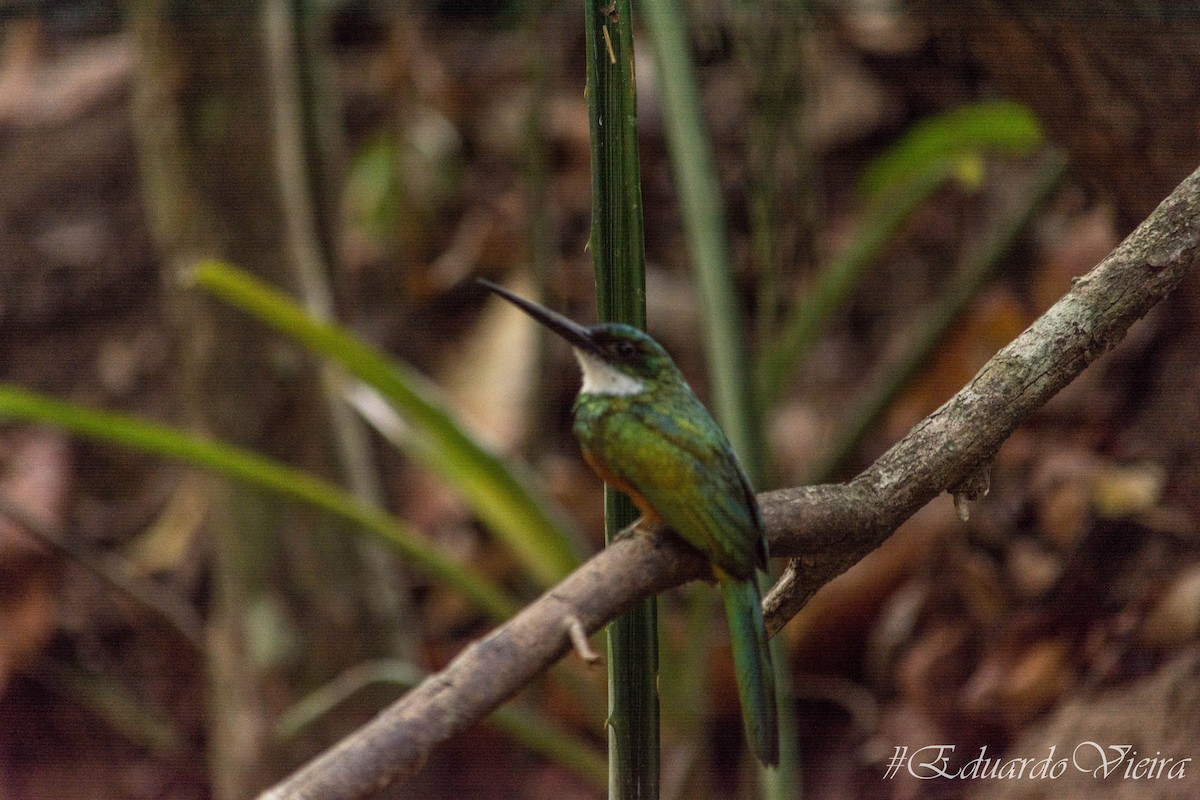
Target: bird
x=642, y=429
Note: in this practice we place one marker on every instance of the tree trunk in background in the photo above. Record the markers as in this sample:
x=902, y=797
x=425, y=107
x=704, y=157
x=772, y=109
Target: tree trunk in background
x=1116, y=84
x=289, y=605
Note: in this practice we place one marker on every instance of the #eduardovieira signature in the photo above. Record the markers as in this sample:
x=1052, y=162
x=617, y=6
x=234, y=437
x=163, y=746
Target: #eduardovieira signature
x=1120, y=761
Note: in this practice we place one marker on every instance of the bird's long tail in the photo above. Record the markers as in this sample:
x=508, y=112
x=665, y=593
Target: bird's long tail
x=752, y=665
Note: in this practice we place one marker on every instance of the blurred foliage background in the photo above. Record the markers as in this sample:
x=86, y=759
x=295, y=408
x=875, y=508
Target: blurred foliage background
x=242, y=236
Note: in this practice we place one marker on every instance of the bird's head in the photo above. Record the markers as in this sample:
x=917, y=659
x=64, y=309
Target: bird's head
x=616, y=359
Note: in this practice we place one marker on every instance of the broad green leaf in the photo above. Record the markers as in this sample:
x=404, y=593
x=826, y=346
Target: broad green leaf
x=955, y=140
x=244, y=465
x=503, y=500
x=946, y=147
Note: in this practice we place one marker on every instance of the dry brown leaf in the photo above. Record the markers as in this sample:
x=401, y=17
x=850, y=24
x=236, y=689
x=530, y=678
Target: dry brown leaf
x=1016, y=686
x=1175, y=618
x=34, y=482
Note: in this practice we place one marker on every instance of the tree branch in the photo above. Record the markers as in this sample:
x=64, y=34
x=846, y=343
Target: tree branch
x=953, y=447
x=825, y=529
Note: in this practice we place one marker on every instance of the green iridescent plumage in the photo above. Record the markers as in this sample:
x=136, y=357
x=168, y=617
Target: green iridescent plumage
x=643, y=429
x=664, y=444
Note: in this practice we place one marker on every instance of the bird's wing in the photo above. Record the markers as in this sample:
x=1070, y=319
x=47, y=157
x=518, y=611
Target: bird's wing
x=685, y=470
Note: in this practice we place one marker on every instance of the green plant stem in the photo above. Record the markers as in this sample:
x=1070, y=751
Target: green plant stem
x=977, y=270
x=704, y=225
x=617, y=239
x=256, y=470
x=618, y=257
x=699, y=193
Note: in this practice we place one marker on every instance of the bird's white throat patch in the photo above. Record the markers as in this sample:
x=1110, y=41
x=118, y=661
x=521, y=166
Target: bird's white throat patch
x=600, y=377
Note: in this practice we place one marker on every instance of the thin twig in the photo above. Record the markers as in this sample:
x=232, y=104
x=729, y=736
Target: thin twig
x=579, y=640
x=311, y=268
x=114, y=570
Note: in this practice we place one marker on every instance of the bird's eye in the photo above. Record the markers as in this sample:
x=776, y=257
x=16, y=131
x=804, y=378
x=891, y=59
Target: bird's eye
x=626, y=350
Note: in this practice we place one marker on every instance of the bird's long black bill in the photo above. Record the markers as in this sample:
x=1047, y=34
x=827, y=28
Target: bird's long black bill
x=572, y=331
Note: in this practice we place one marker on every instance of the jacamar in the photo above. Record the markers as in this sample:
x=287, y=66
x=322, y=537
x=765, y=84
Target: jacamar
x=645, y=433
